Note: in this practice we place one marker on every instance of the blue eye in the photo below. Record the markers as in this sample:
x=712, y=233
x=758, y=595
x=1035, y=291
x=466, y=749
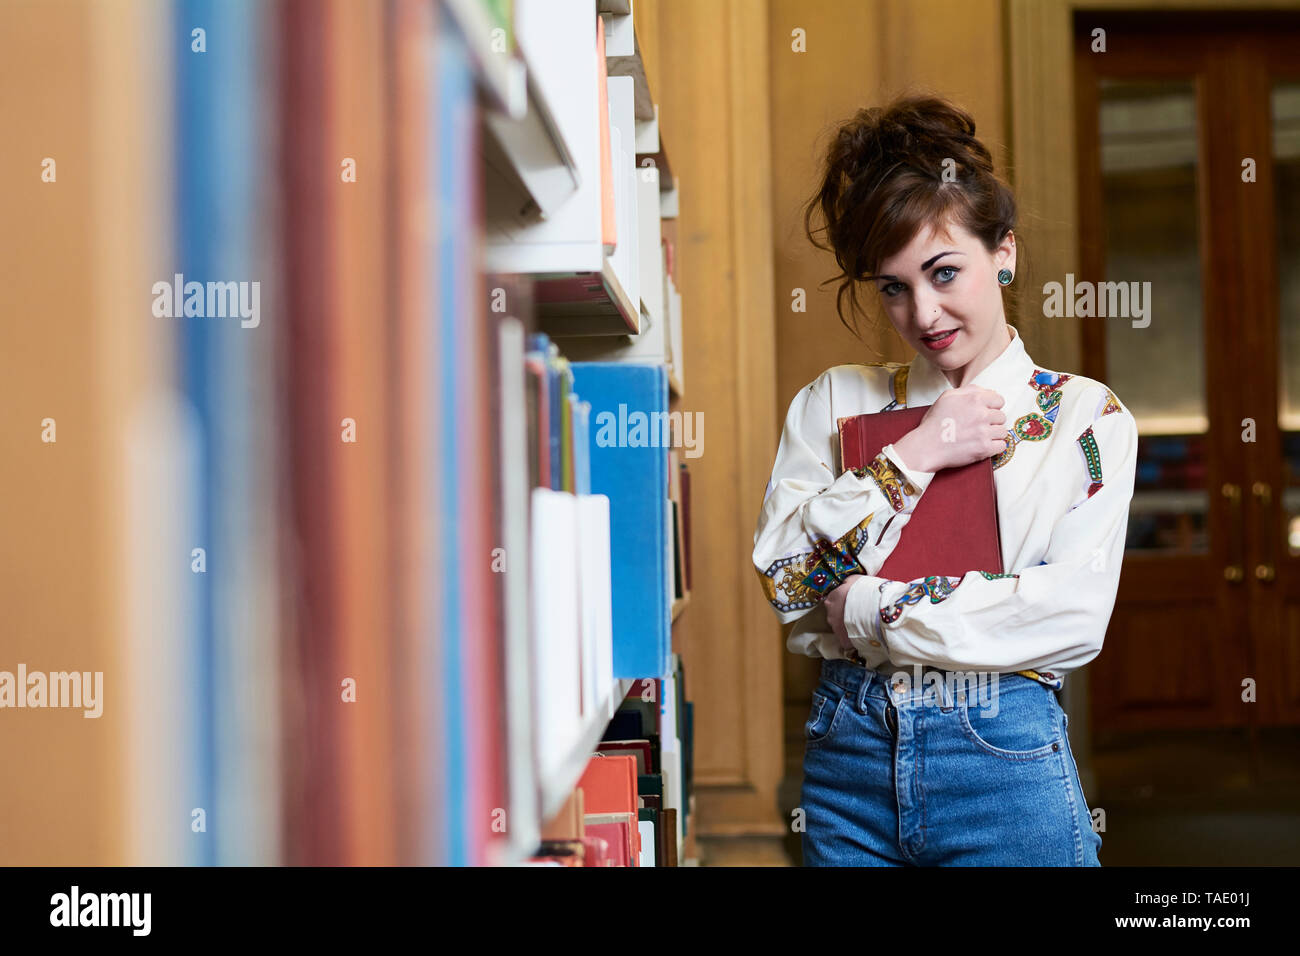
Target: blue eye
x=886, y=289
x=953, y=269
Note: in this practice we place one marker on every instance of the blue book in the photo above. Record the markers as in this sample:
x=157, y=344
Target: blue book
x=627, y=448
x=201, y=190
x=242, y=562
x=555, y=372
x=452, y=166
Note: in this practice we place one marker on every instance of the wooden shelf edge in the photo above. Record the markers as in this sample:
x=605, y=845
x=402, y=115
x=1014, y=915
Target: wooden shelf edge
x=555, y=792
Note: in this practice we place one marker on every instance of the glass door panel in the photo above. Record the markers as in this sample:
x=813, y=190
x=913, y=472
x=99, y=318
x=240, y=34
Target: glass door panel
x=1155, y=347
x=1286, y=199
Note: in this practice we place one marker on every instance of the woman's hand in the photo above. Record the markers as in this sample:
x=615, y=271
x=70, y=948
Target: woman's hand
x=834, y=603
x=963, y=425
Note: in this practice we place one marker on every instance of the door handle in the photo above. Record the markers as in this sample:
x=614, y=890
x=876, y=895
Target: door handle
x=1263, y=495
x=1233, y=571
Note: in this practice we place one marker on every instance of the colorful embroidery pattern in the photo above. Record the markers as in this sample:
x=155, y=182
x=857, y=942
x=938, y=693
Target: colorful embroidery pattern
x=1036, y=426
x=936, y=586
x=1092, y=458
x=891, y=482
x=802, y=580
x=990, y=576
x=1110, y=405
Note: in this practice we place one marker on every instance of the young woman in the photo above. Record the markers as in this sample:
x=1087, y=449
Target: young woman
x=892, y=775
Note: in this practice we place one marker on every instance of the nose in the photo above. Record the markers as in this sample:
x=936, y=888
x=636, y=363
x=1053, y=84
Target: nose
x=925, y=310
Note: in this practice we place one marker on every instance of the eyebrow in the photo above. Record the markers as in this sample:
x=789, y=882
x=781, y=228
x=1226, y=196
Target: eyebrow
x=926, y=264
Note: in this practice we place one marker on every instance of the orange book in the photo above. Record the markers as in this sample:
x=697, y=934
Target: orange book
x=361, y=589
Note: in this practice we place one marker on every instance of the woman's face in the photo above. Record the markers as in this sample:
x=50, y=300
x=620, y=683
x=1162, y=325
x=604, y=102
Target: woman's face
x=942, y=295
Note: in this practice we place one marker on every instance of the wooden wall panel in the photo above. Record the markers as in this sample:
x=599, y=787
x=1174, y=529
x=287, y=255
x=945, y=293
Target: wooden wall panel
x=707, y=66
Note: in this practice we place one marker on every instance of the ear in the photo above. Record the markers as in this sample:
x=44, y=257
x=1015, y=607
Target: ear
x=1005, y=254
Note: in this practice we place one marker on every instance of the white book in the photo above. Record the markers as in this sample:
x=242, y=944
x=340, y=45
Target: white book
x=556, y=647
x=650, y=258
x=521, y=759
x=558, y=40
x=647, y=842
x=597, y=615
x=622, y=133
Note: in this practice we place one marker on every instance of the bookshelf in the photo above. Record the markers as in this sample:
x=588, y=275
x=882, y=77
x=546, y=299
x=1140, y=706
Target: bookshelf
x=314, y=555
x=579, y=207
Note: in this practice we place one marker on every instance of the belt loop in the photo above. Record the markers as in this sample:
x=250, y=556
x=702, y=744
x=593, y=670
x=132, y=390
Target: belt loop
x=947, y=699
x=867, y=675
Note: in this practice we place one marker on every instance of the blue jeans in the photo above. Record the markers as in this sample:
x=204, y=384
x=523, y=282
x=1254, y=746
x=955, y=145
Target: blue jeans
x=960, y=779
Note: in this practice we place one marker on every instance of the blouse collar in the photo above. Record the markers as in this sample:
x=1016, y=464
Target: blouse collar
x=1006, y=374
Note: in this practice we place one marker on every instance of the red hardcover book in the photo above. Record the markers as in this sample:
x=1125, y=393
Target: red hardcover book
x=609, y=787
x=597, y=851
x=954, y=528
x=618, y=835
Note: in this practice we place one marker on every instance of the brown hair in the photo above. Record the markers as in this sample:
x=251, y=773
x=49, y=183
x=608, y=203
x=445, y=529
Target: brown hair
x=884, y=180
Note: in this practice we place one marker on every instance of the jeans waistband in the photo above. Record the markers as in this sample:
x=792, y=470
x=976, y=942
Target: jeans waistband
x=902, y=685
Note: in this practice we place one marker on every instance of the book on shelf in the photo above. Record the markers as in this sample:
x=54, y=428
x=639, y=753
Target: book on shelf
x=608, y=212
x=634, y=792
x=629, y=465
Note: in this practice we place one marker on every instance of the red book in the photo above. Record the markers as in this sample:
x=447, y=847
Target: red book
x=618, y=837
x=609, y=788
x=954, y=528
x=597, y=851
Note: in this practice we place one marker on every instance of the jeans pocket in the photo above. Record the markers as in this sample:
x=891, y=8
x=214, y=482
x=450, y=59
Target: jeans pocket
x=826, y=703
x=1021, y=726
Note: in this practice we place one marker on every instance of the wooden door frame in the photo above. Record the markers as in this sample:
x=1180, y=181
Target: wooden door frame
x=1267, y=59
x=1040, y=101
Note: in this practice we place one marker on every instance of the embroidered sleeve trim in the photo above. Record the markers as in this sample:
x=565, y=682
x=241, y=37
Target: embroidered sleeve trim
x=991, y=576
x=893, y=484
x=803, y=580
x=935, y=586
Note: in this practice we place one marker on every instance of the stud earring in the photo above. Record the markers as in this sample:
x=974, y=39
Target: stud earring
x=1004, y=276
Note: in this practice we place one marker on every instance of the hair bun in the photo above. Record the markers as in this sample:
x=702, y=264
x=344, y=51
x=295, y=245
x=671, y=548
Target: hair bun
x=921, y=132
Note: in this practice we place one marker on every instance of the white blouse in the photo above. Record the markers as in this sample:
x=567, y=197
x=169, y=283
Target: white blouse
x=1063, y=486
